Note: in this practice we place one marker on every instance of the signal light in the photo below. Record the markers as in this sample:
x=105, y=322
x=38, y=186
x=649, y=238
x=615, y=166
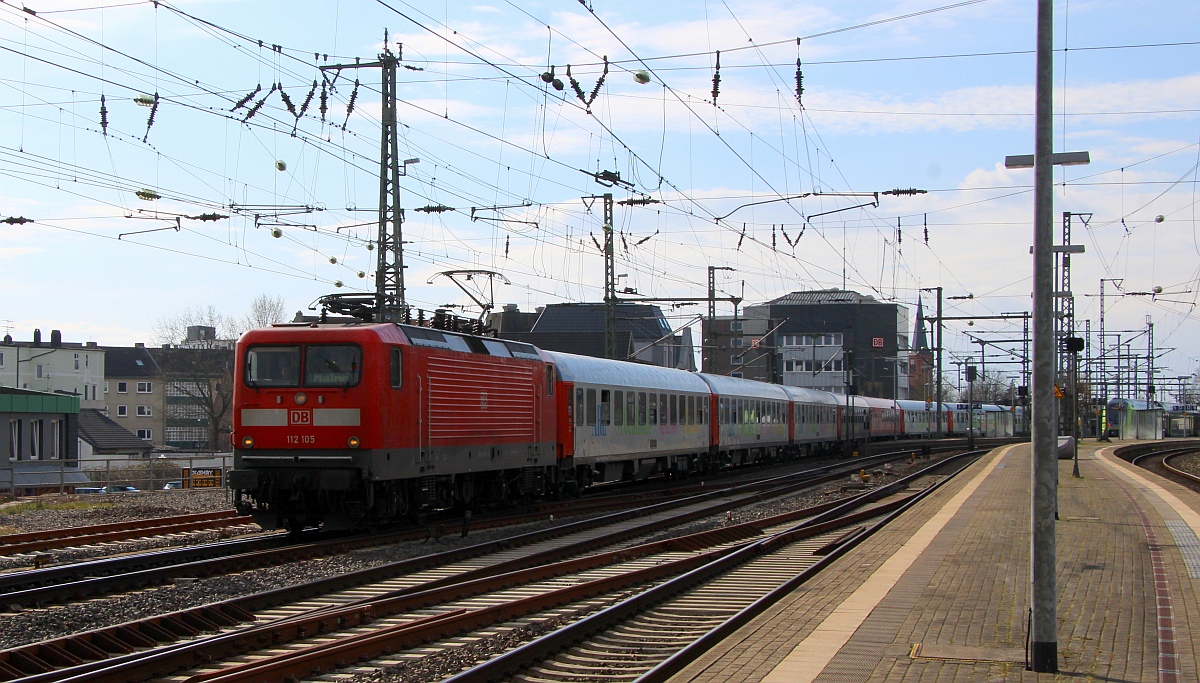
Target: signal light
x=353, y=442
x=247, y=442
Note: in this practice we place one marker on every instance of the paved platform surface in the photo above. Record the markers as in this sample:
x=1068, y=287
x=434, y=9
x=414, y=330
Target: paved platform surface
x=946, y=590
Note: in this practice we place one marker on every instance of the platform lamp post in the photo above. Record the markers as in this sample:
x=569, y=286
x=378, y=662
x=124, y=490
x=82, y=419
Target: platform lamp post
x=971, y=407
x=1073, y=346
x=1043, y=636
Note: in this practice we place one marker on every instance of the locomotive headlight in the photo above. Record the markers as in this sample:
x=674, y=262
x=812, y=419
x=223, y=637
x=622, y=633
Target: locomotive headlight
x=301, y=398
x=247, y=442
x=353, y=442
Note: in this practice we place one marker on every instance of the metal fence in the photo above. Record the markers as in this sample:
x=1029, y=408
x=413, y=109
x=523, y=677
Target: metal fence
x=95, y=475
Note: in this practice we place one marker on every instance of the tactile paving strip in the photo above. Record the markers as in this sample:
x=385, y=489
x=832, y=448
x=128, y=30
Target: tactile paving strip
x=1188, y=544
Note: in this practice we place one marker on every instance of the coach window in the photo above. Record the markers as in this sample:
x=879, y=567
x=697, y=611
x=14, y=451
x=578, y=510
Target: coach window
x=591, y=407
x=631, y=408
x=674, y=409
x=580, y=412
x=397, y=368
x=691, y=410
x=641, y=398
x=549, y=380
x=619, y=408
x=605, y=407
x=662, y=409
x=652, y=412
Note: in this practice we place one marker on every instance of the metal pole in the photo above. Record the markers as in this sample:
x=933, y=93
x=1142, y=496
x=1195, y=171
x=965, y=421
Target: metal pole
x=939, y=360
x=1044, y=622
x=1075, y=411
x=610, y=282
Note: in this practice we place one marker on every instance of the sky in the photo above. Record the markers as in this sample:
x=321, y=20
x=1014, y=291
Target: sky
x=785, y=189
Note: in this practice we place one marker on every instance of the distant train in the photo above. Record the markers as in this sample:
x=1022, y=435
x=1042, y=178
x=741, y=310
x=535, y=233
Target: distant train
x=353, y=424
x=1131, y=418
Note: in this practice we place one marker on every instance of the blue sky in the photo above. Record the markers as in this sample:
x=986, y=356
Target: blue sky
x=896, y=95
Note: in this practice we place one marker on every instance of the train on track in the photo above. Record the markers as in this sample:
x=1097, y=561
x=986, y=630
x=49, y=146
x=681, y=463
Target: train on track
x=353, y=424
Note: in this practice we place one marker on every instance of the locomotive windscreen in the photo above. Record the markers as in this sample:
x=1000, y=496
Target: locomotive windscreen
x=332, y=366
x=273, y=366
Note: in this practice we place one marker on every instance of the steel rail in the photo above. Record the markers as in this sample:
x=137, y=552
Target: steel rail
x=9, y=546
x=541, y=649
x=250, y=603
x=56, y=584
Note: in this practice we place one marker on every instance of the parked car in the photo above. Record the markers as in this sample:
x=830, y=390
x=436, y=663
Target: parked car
x=173, y=485
x=120, y=489
x=88, y=489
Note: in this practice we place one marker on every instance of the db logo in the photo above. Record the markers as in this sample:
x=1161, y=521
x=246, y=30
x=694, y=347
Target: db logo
x=877, y=342
x=300, y=417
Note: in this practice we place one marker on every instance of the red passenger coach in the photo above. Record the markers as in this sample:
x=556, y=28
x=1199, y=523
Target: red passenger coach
x=345, y=424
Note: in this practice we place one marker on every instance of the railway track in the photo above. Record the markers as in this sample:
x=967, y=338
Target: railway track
x=1161, y=462
x=654, y=634
x=384, y=608
x=41, y=541
x=89, y=579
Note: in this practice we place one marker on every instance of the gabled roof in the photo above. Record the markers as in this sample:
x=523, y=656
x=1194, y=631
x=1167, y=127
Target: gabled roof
x=823, y=296
x=129, y=361
x=580, y=344
x=107, y=436
x=643, y=321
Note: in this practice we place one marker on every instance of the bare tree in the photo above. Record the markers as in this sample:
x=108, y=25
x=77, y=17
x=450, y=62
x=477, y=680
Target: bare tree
x=264, y=311
x=196, y=361
x=173, y=329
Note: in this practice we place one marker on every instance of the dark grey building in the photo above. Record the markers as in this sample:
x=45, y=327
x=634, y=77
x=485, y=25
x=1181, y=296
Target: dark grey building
x=41, y=453
x=824, y=339
x=643, y=333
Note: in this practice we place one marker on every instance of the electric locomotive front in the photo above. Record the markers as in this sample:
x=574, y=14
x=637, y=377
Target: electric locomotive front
x=352, y=424
x=305, y=404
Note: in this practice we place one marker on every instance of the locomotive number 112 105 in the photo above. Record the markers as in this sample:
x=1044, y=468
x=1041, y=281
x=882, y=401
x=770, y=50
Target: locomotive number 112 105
x=298, y=439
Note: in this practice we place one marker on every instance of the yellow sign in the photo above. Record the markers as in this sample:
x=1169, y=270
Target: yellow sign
x=1058, y=393
x=201, y=477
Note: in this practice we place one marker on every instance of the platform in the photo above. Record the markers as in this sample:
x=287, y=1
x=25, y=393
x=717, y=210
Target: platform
x=946, y=595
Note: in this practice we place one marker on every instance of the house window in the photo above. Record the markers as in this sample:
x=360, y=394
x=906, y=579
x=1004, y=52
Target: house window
x=1, y=358
x=144, y=411
x=735, y=374
x=145, y=387
x=39, y=370
x=77, y=362
x=56, y=436
x=146, y=434
x=122, y=387
x=735, y=326
x=106, y=387
x=122, y=411
x=736, y=360
x=35, y=439
x=14, y=439
x=736, y=342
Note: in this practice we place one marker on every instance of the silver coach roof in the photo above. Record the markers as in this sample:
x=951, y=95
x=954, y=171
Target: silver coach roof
x=589, y=370
x=811, y=395
x=736, y=386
